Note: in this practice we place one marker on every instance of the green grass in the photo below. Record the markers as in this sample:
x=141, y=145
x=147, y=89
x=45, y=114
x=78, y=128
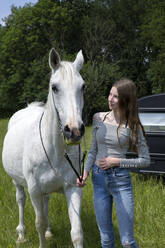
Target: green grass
x=149, y=195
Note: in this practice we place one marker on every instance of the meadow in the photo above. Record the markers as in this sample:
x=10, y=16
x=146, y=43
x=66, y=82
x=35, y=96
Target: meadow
x=149, y=193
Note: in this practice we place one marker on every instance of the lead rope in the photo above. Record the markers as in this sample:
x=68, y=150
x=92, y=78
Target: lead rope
x=52, y=167
x=81, y=161
x=83, y=156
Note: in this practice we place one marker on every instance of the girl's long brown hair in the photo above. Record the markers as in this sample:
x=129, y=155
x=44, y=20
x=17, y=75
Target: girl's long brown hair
x=128, y=110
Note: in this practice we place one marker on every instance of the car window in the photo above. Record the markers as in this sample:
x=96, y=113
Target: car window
x=153, y=122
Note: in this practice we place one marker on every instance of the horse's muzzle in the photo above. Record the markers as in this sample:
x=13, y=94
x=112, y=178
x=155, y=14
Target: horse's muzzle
x=74, y=134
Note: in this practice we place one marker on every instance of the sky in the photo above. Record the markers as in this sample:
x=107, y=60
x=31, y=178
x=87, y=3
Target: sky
x=5, y=6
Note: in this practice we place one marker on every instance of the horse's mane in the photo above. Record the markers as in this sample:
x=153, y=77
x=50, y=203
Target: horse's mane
x=66, y=69
x=36, y=104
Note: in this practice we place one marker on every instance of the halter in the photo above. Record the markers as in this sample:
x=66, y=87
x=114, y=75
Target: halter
x=81, y=161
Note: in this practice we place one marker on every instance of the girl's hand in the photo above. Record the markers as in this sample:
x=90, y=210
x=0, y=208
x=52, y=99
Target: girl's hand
x=108, y=162
x=84, y=178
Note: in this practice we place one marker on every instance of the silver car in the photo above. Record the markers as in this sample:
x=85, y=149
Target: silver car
x=152, y=116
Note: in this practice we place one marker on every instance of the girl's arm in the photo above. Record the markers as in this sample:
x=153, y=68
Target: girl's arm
x=143, y=159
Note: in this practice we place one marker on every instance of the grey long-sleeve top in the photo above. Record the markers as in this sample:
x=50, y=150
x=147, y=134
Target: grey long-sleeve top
x=105, y=143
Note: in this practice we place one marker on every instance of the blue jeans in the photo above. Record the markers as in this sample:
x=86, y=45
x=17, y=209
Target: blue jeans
x=114, y=183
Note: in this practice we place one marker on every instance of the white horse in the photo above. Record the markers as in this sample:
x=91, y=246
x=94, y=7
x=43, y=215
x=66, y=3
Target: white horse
x=34, y=147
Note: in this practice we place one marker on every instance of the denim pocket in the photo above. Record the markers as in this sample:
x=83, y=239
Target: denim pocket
x=121, y=173
x=95, y=172
x=95, y=169
x=98, y=177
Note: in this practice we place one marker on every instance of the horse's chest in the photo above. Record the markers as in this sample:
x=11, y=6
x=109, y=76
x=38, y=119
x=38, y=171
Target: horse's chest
x=51, y=181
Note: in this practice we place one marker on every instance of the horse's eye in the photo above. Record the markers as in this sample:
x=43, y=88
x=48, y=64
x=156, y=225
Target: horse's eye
x=54, y=88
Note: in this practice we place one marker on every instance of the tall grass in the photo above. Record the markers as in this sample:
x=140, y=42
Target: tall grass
x=149, y=195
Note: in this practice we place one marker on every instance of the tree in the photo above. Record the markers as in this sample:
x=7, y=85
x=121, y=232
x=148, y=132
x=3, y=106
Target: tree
x=98, y=81
x=119, y=39
x=29, y=34
x=153, y=33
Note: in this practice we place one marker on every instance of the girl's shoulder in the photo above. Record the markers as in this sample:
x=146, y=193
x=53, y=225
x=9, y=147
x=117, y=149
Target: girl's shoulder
x=99, y=116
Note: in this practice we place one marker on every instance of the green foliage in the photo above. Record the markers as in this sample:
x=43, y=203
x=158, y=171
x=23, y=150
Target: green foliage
x=153, y=33
x=99, y=80
x=118, y=38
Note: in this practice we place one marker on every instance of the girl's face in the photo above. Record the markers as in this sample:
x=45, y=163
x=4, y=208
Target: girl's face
x=113, y=99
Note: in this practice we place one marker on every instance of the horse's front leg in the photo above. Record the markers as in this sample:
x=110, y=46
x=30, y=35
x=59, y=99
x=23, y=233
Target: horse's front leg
x=38, y=204
x=73, y=196
x=48, y=233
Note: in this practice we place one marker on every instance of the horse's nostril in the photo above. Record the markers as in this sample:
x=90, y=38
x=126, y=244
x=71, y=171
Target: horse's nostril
x=67, y=132
x=74, y=133
x=66, y=128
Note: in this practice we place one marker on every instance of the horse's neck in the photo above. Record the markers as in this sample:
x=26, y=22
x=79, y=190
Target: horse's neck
x=51, y=131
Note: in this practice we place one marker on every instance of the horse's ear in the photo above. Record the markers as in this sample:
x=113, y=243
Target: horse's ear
x=54, y=59
x=78, y=63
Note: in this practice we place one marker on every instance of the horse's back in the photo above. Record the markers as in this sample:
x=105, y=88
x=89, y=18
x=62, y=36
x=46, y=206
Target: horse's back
x=27, y=115
x=18, y=130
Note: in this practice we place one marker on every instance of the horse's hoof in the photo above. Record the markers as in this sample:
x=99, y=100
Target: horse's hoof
x=21, y=241
x=48, y=235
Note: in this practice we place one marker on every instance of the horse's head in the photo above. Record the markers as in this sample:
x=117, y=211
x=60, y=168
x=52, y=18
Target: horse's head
x=66, y=88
